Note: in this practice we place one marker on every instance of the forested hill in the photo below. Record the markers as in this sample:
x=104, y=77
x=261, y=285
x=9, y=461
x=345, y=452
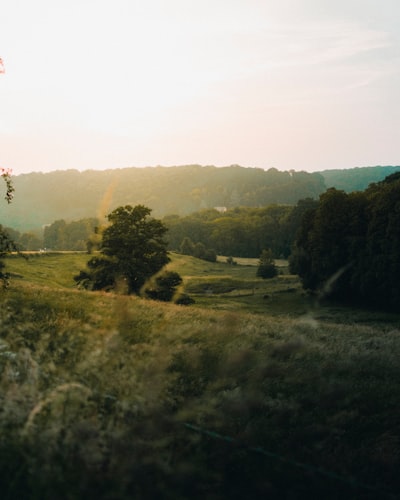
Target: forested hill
x=356, y=179
x=41, y=199
x=71, y=195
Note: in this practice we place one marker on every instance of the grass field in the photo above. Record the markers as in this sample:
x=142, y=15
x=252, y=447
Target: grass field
x=238, y=396
x=213, y=285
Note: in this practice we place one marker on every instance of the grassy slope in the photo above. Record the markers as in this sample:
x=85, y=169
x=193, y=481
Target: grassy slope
x=49, y=269
x=97, y=389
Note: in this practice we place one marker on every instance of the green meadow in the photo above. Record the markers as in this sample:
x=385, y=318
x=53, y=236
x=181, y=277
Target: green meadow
x=255, y=391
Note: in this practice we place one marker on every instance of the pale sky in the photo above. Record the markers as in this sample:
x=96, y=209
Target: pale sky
x=291, y=84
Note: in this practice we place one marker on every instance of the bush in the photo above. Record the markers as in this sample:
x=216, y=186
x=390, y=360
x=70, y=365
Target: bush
x=164, y=287
x=184, y=300
x=267, y=271
x=210, y=255
x=266, y=268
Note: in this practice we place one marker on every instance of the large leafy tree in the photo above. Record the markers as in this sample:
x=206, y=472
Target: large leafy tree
x=132, y=250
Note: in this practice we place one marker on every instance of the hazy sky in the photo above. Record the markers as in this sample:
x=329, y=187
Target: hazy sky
x=292, y=84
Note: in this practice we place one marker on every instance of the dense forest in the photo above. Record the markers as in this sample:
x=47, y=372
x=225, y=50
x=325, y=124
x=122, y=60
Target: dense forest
x=240, y=232
x=41, y=199
x=348, y=245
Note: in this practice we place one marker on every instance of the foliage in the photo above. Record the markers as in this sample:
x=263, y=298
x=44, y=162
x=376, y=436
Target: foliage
x=187, y=246
x=183, y=299
x=266, y=266
x=6, y=176
x=201, y=252
x=61, y=235
x=29, y=241
x=164, y=287
x=131, y=251
x=243, y=232
x=348, y=245
x=198, y=250
x=6, y=243
x=102, y=274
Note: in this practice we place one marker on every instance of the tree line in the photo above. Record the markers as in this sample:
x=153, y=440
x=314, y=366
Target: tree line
x=59, y=235
x=348, y=245
x=239, y=232
x=70, y=195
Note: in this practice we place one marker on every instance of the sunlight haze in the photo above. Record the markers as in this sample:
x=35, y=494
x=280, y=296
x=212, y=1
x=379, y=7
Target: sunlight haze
x=291, y=84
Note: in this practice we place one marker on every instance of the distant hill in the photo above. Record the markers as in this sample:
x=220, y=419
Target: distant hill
x=42, y=198
x=356, y=179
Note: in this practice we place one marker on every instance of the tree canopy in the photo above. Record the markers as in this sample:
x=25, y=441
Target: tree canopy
x=132, y=250
x=241, y=231
x=348, y=245
x=61, y=235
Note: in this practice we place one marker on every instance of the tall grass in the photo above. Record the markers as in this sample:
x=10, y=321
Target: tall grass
x=106, y=396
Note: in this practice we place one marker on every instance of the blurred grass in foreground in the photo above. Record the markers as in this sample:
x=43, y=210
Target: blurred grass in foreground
x=97, y=389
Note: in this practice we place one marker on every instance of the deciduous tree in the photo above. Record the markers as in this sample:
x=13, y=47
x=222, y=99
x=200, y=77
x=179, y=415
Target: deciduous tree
x=132, y=250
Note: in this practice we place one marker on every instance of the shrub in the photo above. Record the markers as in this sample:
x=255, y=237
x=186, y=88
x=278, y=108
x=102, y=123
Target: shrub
x=266, y=267
x=164, y=287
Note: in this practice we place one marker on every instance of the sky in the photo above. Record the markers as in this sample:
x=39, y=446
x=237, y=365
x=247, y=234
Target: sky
x=292, y=84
